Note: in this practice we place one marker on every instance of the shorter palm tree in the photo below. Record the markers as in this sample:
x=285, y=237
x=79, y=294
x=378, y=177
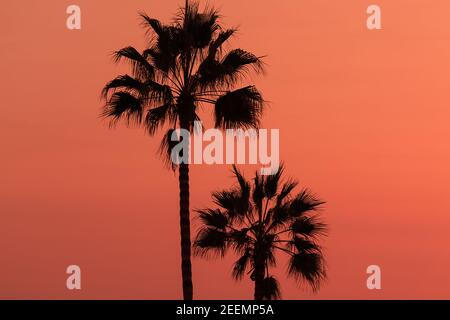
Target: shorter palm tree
x=256, y=221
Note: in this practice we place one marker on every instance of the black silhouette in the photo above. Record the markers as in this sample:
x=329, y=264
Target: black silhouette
x=256, y=221
x=185, y=66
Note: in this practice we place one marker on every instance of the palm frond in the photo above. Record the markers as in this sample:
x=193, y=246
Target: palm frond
x=234, y=67
x=286, y=190
x=225, y=199
x=258, y=191
x=125, y=83
x=163, y=54
x=304, y=202
x=210, y=241
x=241, y=108
x=304, y=245
x=233, y=202
x=308, y=226
x=160, y=93
x=244, y=185
x=198, y=27
x=237, y=61
x=151, y=24
x=271, y=183
x=308, y=267
x=156, y=117
x=123, y=106
x=240, y=239
x=142, y=69
x=217, y=43
x=271, y=288
x=166, y=43
x=241, y=265
x=279, y=215
x=213, y=218
x=165, y=148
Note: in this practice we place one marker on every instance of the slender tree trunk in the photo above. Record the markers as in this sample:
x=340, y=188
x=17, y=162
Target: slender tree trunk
x=185, y=230
x=185, y=224
x=259, y=280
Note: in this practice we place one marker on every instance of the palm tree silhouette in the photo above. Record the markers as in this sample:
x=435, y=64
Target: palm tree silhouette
x=184, y=67
x=256, y=221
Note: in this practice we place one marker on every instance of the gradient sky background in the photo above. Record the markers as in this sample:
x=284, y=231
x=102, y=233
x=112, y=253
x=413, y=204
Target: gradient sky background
x=364, y=118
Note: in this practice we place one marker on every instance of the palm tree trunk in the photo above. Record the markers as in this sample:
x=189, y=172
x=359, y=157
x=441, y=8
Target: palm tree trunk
x=259, y=281
x=185, y=223
x=185, y=230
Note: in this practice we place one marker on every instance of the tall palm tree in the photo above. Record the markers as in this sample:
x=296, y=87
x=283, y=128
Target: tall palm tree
x=256, y=221
x=185, y=66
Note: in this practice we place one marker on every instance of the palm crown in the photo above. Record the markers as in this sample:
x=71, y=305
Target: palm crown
x=256, y=221
x=185, y=66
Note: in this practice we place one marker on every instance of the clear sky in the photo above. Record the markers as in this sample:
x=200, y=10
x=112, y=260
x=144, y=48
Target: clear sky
x=363, y=118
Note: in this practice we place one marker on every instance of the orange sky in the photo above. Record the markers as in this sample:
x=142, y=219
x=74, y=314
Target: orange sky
x=363, y=118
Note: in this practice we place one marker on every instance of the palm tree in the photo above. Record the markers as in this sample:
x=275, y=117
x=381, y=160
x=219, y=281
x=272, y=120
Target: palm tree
x=256, y=221
x=184, y=67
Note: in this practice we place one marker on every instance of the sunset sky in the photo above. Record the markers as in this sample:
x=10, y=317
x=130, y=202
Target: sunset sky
x=363, y=118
